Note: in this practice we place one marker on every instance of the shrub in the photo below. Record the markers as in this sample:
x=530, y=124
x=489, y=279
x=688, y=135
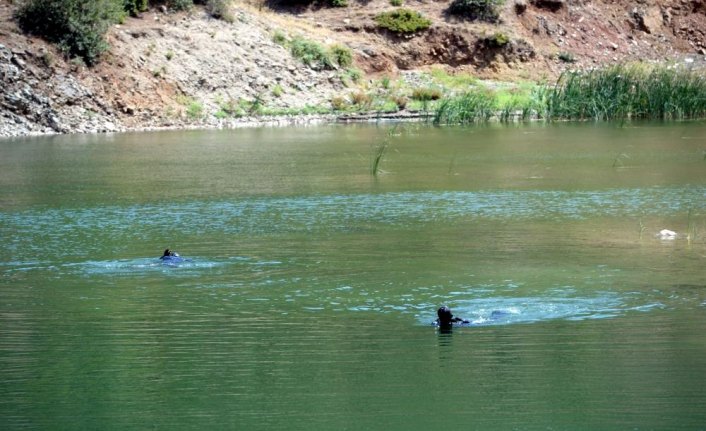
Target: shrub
x=76, y=26
x=396, y=2
x=220, y=9
x=354, y=74
x=180, y=4
x=361, y=98
x=194, y=110
x=311, y=53
x=566, y=57
x=403, y=21
x=277, y=90
x=341, y=55
x=339, y=3
x=134, y=7
x=480, y=10
x=338, y=103
x=498, y=40
x=279, y=38
x=400, y=101
x=426, y=94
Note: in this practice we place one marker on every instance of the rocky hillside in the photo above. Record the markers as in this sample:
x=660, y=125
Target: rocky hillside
x=188, y=69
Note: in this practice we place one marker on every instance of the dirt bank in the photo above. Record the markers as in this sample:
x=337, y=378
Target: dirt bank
x=189, y=70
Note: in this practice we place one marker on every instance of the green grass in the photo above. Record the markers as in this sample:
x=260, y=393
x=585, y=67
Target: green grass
x=622, y=92
x=403, y=21
x=455, y=81
x=379, y=151
x=311, y=53
x=635, y=91
x=471, y=107
x=194, y=110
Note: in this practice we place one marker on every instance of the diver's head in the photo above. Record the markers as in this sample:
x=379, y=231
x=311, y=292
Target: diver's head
x=444, y=314
x=167, y=252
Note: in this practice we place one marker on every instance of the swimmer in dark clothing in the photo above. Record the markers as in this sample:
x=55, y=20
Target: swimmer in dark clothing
x=446, y=319
x=168, y=254
x=172, y=258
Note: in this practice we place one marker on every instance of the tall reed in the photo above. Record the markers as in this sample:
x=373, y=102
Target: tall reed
x=635, y=91
x=467, y=108
x=622, y=92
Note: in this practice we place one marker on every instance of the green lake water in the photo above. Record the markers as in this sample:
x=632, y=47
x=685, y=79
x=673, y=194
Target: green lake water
x=311, y=284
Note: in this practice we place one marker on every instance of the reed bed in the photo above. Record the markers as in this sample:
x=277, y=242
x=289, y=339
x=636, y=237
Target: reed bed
x=621, y=92
x=634, y=91
x=466, y=108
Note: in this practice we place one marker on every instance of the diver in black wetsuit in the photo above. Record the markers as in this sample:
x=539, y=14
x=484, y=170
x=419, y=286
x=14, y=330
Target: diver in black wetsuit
x=169, y=254
x=172, y=257
x=446, y=319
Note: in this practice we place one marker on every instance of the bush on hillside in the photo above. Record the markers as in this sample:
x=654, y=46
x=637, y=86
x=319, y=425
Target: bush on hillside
x=179, y=4
x=477, y=10
x=311, y=53
x=403, y=21
x=134, y=7
x=321, y=3
x=341, y=55
x=76, y=26
x=220, y=9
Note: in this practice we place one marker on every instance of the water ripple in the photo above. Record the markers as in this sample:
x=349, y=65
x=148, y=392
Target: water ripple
x=338, y=211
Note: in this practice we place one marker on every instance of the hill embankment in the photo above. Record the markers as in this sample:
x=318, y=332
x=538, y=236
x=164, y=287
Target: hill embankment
x=187, y=69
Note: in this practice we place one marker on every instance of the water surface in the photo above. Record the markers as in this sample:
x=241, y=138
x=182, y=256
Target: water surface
x=311, y=285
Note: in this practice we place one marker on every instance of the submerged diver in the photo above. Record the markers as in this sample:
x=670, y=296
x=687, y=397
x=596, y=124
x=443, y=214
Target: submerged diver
x=446, y=320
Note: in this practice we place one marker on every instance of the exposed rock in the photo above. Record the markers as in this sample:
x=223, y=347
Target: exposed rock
x=648, y=20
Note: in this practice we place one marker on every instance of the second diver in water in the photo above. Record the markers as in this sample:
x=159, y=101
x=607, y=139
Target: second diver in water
x=446, y=320
x=171, y=257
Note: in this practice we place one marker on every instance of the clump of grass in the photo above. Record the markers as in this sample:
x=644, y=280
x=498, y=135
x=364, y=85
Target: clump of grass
x=315, y=55
x=277, y=90
x=338, y=103
x=220, y=9
x=471, y=107
x=477, y=10
x=497, y=40
x=459, y=80
x=311, y=53
x=426, y=94
x=400, y=101
x=350, y=76
x=566, y=57
x=157, y=73
x=341, y=55
x=361, y=99
x=403, y=21
x=194, y=110
x=629, y=91
x=691, y=229
x=279, y=38
x=379, y=151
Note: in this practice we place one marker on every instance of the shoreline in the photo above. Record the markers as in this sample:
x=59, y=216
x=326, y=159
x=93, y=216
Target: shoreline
x=244, y=122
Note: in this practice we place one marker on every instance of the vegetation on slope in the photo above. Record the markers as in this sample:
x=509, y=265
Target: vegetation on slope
x=78, y=27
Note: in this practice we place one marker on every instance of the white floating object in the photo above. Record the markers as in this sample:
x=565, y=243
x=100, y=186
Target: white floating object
x=667, y=234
